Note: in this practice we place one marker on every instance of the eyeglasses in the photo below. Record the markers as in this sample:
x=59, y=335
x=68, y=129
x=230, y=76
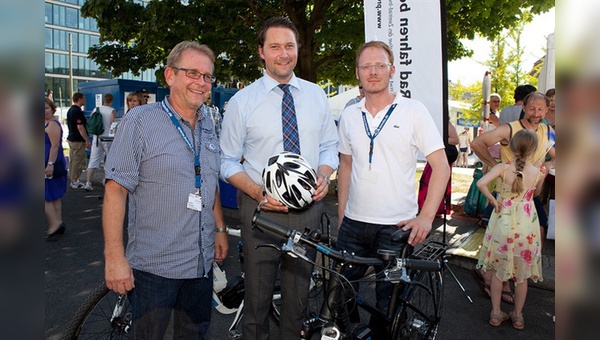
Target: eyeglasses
x=195, y=74
x=378, y=66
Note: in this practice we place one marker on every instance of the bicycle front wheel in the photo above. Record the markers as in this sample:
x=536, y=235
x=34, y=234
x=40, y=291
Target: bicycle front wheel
x=418, y=318
x=104, y=315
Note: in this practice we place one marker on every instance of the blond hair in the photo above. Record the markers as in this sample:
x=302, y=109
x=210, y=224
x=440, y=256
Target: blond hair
x=523, y=144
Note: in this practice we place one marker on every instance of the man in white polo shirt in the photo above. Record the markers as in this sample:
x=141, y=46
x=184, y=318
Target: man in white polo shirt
x=379, y=141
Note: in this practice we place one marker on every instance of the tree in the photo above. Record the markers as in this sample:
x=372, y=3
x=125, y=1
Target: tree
x=467, y=93
x=507, y=69
x=135, y=37
x=467, y=18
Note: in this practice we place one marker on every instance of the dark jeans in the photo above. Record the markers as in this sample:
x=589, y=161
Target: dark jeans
x=364, y=239
x=155, y=298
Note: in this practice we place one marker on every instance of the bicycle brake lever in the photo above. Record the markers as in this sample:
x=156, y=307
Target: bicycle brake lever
x=398, y=273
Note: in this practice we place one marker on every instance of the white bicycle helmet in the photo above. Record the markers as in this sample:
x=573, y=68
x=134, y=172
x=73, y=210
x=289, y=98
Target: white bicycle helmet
x=290, y=179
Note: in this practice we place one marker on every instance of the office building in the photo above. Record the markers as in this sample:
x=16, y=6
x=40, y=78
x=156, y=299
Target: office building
x=64, y=26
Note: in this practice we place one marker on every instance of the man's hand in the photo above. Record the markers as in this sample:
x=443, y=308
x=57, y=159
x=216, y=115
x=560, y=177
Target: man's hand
x=221, y=247
x=420, y=226
x=322, y=188
x=271, y=203
x=119, y=275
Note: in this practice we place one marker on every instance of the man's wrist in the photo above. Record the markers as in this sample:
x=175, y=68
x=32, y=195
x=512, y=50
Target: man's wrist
x=325, y=177
x=221, y=229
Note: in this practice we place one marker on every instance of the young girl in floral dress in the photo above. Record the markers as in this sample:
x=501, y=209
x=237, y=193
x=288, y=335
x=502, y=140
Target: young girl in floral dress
x=512, y=244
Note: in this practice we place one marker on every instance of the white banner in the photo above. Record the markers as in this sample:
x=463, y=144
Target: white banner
x=413, y=29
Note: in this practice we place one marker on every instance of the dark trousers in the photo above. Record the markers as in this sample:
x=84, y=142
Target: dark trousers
x=155, y=298
x=261, y=266
x=364, y=239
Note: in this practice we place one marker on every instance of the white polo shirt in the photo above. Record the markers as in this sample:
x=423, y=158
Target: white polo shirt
x=386, y=193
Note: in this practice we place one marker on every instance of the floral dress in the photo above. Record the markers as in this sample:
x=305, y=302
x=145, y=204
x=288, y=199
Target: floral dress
x=512, y=244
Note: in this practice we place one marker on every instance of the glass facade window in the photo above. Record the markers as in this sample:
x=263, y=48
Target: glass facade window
x=59, y=40
x=48, y=15
x=93, y=25
x=72, y=17
x=48, y=68
x=94, y=40
x=48, y=33
x=60, y=64
x=81, y=44
x=75, y=42
x=60, y=15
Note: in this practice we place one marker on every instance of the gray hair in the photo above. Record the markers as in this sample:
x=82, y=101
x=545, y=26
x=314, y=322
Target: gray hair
x=175, y=54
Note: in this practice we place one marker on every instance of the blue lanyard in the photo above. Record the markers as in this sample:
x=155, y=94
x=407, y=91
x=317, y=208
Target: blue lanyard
x=379, y=128
x=188, y=142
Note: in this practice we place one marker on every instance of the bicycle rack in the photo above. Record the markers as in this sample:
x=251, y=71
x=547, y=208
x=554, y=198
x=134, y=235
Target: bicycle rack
x=430, y=251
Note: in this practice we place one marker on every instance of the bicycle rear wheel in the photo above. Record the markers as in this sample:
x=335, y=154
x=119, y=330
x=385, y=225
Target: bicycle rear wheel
x=418, y=318
x=104, y=315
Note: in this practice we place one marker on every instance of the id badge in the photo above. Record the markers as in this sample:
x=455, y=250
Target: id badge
x=194, y=202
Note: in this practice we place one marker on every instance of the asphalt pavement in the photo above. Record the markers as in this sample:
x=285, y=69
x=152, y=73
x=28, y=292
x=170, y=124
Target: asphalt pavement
x=74, y=267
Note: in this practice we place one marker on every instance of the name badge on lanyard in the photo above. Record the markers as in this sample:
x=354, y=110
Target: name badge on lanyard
x=194, y=202
x=194, y=199
x=377, y=131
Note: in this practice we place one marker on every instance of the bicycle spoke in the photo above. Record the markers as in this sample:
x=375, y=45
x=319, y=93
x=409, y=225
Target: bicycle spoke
x=419, y=318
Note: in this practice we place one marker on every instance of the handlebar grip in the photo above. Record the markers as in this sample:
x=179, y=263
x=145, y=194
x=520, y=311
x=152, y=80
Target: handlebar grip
x=425, y=265
x=401, y=236
x=268, y=224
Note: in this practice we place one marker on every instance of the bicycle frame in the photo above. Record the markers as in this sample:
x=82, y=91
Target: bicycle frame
x=334, y=327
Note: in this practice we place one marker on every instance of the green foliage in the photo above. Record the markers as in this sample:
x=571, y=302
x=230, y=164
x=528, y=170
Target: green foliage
x=487, y=18
x=507, y=69
x=470, y=94
x=135, y=37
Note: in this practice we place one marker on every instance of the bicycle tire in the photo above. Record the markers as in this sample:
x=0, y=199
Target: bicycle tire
x=418, y=318
x=275, y=310
x=93, y=319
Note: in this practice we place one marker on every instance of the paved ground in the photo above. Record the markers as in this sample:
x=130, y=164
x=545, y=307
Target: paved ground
x=74, y=267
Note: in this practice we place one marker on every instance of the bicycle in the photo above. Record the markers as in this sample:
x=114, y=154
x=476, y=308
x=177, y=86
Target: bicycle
x=414, y=310
x=107, y=315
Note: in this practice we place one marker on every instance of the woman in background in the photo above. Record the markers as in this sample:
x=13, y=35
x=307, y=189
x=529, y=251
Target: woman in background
x=55, y=172
x=134, y=99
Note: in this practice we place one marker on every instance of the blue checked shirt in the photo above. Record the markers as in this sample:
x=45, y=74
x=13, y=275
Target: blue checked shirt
x=151, y=160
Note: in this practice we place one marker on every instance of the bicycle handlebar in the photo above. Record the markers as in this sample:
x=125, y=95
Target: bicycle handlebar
x=259, y=222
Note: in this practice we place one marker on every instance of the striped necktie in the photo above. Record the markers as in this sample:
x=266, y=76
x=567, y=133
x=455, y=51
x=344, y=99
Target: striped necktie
x=291, y=140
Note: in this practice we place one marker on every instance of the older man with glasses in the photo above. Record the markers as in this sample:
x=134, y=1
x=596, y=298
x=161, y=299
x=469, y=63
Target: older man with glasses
x=166, y=159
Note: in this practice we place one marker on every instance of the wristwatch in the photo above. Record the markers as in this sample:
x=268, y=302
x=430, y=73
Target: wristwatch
x=326, y=178
x=50, y=163
x=222, y=229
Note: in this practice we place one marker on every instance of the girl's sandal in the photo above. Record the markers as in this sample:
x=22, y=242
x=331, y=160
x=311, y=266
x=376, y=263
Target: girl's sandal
x=517, y=321
x=497, y=319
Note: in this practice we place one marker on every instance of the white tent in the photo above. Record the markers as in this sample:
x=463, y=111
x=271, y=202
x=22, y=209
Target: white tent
x=546, y=76
x=338, y=102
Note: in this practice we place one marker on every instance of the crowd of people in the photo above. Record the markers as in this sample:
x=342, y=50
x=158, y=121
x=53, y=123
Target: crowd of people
x=181, y=146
